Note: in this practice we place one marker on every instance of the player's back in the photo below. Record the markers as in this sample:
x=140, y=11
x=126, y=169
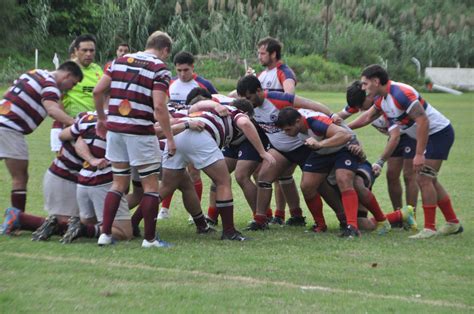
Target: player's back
x=134, y=78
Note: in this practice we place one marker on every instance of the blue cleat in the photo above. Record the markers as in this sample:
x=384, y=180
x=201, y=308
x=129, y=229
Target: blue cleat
x=11, y=221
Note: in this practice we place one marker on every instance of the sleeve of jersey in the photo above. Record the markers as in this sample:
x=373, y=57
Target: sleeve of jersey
x=319, y=125
x=76, y=128
x=351, y=110
x=162, y=80
x=378, y=103
x=281, y=100
x=404, y=97
x=284, y=73
x=50, y=91
x=207, y=85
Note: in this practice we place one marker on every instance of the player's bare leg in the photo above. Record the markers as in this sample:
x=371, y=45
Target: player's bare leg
x=394, y=185
x=18, y=170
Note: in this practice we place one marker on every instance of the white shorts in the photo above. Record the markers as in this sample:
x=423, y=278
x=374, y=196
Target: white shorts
x=193, y=147
x=54, y=140
x=137, y=150
x=59, y=196
x=13, y=144
x=91, y=202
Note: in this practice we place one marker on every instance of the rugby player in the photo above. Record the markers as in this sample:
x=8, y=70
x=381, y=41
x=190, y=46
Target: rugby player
x=405, y=109
x=25, y=105
x=138, y=85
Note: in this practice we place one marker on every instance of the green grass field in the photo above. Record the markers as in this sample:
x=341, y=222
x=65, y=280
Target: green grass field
x=280, y=270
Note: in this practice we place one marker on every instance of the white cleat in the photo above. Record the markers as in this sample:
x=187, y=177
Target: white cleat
x=164, y=213
x=155, y=243
x=104, y=240
x=424, y=234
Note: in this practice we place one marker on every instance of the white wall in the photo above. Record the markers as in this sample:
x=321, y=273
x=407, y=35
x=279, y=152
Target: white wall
x=452, y=77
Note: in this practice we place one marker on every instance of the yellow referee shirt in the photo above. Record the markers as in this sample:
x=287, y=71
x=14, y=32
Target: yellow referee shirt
x=80, y=99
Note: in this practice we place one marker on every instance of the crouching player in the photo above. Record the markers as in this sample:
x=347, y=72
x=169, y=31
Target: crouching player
x=94, y=181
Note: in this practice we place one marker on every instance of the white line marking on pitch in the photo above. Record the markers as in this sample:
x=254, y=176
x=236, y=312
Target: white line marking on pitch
x=249, y=280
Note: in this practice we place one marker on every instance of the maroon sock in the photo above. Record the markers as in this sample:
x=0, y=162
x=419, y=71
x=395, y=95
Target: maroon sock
x=260, y=219
x=62, y=227
x=18, y=199
x=137, y=217
x=280, y=213
x=30, y=222
x=111, y=205
x=149, y=206
x=200, y=221
x=89, y=230
x=296, y=212
x=226, y=211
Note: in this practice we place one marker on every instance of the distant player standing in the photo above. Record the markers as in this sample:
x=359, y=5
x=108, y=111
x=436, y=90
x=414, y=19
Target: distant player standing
x=404, y=108
x=138, y=84
x=24, y=106
x=122, y=49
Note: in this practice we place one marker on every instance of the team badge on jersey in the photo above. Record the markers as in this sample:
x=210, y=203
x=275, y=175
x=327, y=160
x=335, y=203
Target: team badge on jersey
x=348, y=162
x=130, y=60
x=90, y=117
x=85, y=164
x=125, y=108
x=6, y=107
x=407, y=149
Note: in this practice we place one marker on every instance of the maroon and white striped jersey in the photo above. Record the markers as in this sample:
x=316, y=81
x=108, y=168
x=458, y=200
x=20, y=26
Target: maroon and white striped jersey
x=85, y=128
x=134, y=78
x=224, y=130
x=67, y=163
x=21, y=108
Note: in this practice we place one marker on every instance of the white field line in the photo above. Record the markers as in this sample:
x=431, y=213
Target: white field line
x=242, y=279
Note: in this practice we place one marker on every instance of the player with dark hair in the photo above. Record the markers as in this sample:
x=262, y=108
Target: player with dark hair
x=285, y=149
x=328, y=143
x=138, y=85
x=402, y=157
x=25, y=105
x=405, y=109
x=122, y=49
x=79, y=99
x=180, y=86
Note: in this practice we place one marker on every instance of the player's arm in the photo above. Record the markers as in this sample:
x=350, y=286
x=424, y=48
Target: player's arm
x=54, y=111
x=162, y=116
x=365, y=118
x=178, y=127
x=418, y=114
x=392, y=143
x=82, y=149
x=343, y=114
x=248, y=128
x=208, y=105
x=100, y=92
x=289, y=86
x=335, y=136
x=305, y=103
x=66, y=135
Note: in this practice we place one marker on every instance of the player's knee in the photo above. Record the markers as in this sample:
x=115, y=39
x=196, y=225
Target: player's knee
x=242, y=178
x=122, y=230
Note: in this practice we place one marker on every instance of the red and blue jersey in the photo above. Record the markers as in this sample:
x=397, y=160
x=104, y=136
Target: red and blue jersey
x=179, y=90
x=398, y=102
x=266, y=116
x=272, y=80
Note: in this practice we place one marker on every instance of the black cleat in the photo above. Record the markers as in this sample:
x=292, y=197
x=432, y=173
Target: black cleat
x=296, y=221
x=211, y=222
x=277, y=221
x=73, y=230
x=234, y=236
x=207, y=230
x=44, y=232
x=342, y=226
x=350, y=232
x=254, y=226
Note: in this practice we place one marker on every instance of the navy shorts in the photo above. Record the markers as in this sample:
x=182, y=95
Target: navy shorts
x=244, y=151
x=297, y=156
x=342, y=159
x=364, y=170
x=439, y=144
x=406, y=147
